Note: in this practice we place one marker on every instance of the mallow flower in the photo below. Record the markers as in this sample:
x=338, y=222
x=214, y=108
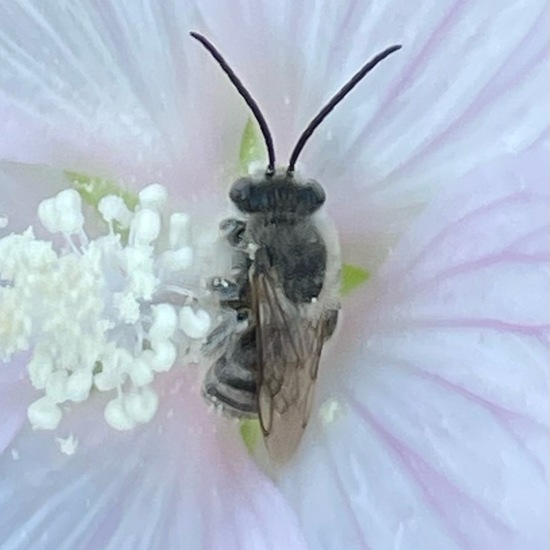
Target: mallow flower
x=120, y=139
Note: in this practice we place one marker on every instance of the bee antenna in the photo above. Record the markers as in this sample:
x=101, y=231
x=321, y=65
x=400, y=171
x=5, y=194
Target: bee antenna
x=270, y=170
x=339, y=96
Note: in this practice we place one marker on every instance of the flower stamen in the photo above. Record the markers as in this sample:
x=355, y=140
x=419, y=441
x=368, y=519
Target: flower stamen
x=101, y=315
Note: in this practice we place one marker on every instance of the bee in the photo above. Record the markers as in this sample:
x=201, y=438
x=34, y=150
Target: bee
x=284, y=297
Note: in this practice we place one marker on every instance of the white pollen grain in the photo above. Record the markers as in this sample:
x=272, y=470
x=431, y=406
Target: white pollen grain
x=67, y=445
x=44, y=414
x=195, y=324
x=331, y=411
x=141, y=407
x=117, y=417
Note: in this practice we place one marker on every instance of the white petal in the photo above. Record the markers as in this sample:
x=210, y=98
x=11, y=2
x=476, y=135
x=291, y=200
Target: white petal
x=116, y=89
x=434, y=436
x=183, y=479
x=15, y=397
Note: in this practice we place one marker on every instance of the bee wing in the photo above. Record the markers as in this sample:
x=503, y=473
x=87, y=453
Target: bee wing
x=289, y=349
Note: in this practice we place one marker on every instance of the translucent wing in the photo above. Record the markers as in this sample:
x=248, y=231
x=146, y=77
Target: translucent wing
x=289, y=349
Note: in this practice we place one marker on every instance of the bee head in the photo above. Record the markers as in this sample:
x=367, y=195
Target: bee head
x=278, y=194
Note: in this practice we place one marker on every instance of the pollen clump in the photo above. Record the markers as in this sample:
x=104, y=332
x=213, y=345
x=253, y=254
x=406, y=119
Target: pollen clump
x=100, y=315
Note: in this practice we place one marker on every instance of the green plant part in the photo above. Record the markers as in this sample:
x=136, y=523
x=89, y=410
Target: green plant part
x=252, y=148
x=250, y=433
x=92, y=189
x=352, y=278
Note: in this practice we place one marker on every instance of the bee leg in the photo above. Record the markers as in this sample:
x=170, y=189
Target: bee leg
x=235, y=289
x=233, y=230
x=220, y=338
x=233, y=295
x=330, y=323
x=231, y=382
x=227, y=289
x=236, y=315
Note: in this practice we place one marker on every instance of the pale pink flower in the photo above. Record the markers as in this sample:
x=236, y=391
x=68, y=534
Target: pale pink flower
x=429, y=430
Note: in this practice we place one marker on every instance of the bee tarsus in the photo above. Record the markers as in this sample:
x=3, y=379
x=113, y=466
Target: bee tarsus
x=232, y=229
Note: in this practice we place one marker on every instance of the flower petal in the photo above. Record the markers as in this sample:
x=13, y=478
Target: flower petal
x=418, y=98
x=463, y=91
x=117, y=91
x=14, y=399
x=435, y=435
x=181, y=480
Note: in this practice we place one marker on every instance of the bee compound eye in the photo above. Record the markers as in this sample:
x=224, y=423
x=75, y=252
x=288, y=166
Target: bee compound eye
x=241, y=194
x=312, y=196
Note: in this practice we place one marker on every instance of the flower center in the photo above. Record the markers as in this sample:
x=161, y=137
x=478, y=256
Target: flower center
x=105, y=314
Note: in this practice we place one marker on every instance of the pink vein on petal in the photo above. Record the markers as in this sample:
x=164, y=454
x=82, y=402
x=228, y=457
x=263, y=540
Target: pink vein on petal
x=476, y=265
x=522, y=241
x=450, y=228
x=343, y=28
x=537, y=58
x=541, y=140
x=477, y=104
x=500, y=414
x=420, y=471
x=475, y=323
x=404, y=78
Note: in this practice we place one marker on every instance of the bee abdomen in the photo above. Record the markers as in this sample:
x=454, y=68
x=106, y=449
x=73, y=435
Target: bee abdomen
x=233, y=387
